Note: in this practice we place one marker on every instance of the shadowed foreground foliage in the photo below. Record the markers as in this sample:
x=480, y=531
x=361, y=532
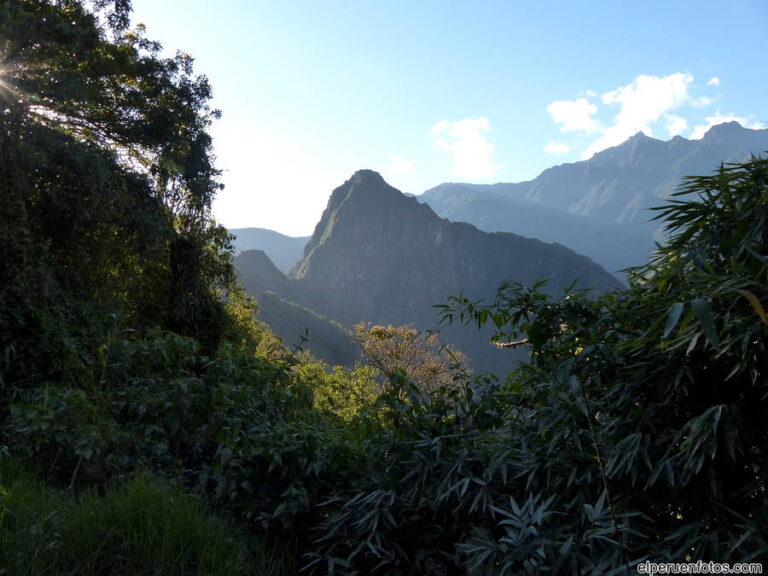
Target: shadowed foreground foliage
x=651, y=401
x=139, y=527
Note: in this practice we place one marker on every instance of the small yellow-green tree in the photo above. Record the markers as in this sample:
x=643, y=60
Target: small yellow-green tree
x=405, y=353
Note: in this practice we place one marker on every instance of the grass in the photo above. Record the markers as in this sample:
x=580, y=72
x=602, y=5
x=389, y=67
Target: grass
x=139, y=527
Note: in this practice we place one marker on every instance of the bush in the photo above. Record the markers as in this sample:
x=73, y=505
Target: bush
x=138, y=527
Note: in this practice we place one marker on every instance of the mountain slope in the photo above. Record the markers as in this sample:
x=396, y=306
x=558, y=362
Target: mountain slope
x=258, y=274
x=599, y=207
x=379, y=256
x=612, y=245
x=296, y=325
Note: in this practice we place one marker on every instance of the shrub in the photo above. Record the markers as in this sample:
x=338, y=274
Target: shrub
x=138, y=527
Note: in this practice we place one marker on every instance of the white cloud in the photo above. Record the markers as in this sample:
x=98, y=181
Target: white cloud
x=648, y=103
x=465, y=140
x=676, y=125
x=642, y=103
x=440, y=127
x=574, y=115
x=718, y=118
x=702, y=102
x=557, y=148
x=647, y=98
x=400, y=165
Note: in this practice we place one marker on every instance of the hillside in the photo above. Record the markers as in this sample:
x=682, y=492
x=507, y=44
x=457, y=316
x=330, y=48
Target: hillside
x=296, y=325
x=381, y=256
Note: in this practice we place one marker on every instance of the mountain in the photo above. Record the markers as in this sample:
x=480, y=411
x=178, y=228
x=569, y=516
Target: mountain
x=296, y=325
x=283, y=250
x=489, y=211
x=258, y=274
x=599, y=207
x=379, y=256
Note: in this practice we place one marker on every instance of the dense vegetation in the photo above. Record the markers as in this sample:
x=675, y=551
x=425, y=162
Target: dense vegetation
x=149, y=425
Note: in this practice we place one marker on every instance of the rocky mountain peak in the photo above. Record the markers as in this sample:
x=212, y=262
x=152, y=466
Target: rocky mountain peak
x=366, y=176
x=725, y=132
x=380, y=247
x=364, y=184
x=639, y=136
x=363, y=208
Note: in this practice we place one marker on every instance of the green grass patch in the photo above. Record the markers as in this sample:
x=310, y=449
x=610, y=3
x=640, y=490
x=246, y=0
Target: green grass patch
x=140, y=526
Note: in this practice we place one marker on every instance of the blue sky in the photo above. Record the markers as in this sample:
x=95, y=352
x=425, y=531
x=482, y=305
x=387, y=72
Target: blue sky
x=432, y=91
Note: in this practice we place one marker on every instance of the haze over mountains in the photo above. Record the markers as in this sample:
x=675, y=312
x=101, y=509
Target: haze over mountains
x=284, y=251
x=599, y=207
x=379, y=256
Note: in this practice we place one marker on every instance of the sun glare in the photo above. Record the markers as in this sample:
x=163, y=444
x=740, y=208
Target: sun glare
x=5, y=88
x=8, y=92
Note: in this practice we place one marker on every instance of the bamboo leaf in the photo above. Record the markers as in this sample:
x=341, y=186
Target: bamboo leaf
x=755, y=304
x=704, y=314
x=673, y=317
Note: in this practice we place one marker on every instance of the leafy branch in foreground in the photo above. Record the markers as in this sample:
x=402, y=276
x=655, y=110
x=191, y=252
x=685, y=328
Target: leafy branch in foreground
x=668, y=376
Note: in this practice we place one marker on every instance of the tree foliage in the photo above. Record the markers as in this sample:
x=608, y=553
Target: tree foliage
x=403, y=352
x=107, y=178
x=346, y=393
x=657, y=394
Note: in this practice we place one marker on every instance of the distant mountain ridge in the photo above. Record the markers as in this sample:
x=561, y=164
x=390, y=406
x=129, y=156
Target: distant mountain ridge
x=379, y=256
x=599, y=207
x=284, y=251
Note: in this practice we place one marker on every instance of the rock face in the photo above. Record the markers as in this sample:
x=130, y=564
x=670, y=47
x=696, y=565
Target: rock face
x=379, y=256
x=599, y=207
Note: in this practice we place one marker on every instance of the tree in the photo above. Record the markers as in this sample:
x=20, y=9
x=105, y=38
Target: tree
x=107, y=171
x=404, y=353
x=345, y=393
x=86, y=74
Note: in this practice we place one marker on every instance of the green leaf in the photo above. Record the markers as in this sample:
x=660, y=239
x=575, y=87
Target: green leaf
x=704, y=314
x=673, y=317
x=755, y=304
x=693, y=342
